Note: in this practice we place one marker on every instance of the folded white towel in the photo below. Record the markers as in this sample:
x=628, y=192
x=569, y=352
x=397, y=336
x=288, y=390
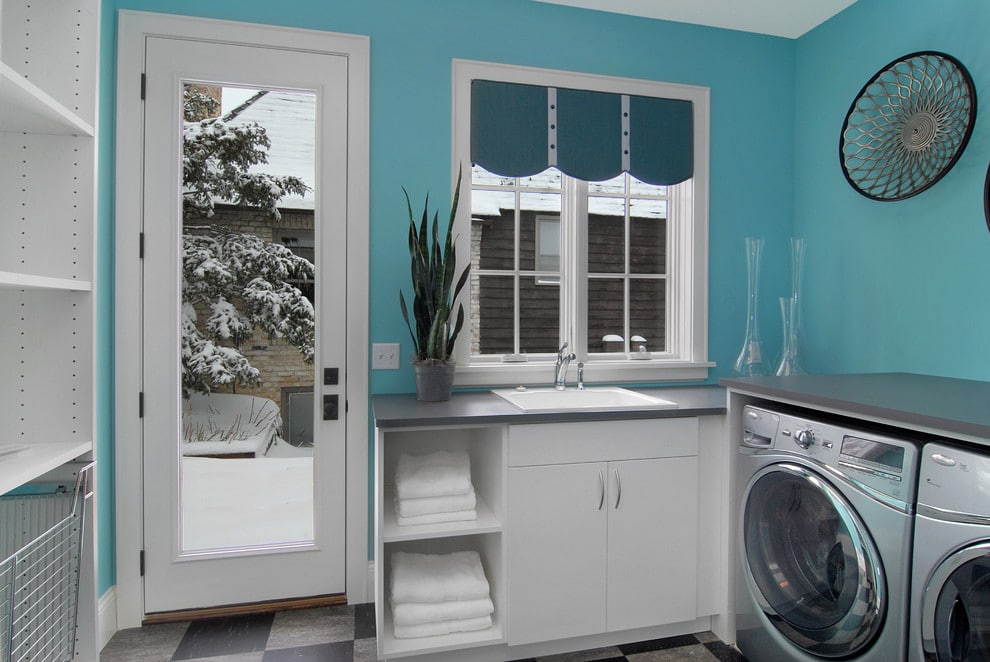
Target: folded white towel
x=442, y=473
x=438, y=518
x=418, y=613
x=437, y=577
x=441, y=628
x=440, y=504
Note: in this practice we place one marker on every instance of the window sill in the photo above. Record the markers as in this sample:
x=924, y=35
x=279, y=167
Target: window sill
x=536, y=373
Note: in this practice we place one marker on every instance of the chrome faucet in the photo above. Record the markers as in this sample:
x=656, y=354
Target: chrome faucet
x=560, y=371
x=580, y=384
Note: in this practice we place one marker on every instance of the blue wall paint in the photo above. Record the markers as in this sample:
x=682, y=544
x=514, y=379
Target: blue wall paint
x=896, y=286
x=752, y=84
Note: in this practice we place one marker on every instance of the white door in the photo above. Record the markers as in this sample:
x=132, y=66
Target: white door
x=224, y=529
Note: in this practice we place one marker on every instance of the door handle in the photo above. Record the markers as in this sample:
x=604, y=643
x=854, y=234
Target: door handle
x=331, y=407
x=618, y=489
x=601, y=483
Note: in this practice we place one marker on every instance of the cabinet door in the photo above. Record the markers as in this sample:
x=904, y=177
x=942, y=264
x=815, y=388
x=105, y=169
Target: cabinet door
x=652, y=542
x=556, y=549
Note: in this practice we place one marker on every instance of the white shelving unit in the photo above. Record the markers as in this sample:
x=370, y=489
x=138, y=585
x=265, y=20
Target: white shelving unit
x=48, y=114
x=486, y=446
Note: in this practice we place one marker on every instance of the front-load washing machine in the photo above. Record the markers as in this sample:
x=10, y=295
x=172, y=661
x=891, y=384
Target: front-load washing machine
x=826, y=515
x=950, y=585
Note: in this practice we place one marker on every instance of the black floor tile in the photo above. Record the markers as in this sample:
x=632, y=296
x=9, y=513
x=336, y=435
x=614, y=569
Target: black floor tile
x=724, y=652
x=224, y=636
x=364, y=620
x=658, y=644
x=341, y=651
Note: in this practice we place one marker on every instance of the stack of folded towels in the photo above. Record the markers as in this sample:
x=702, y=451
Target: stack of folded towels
x=437, y=594
x=434, y=488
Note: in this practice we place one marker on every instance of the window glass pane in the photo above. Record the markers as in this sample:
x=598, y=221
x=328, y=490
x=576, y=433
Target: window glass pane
x=539, y=316
x=648, y=208
x=615, y=185
x=637, y=187
x=647, y=246
x=647, y=314
x=606, y=315
x=487, y=204
x=606, y=235
x=480, y=176
x=548, y=179
x=492, y=315
x=493, y=241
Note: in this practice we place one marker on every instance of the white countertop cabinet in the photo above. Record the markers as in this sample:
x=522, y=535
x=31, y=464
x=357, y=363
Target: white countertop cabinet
x=48, y=117
x=593, y=531
x=606, y=545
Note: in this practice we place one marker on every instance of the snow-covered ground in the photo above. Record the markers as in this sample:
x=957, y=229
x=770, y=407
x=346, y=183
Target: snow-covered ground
x=247, y=502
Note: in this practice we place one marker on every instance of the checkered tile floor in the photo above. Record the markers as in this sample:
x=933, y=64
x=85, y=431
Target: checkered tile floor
x=345, y=634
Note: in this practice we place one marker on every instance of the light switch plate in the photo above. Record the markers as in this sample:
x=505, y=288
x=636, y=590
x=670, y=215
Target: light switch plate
x=385, y=356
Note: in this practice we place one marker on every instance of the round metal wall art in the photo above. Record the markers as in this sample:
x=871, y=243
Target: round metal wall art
x=908, y=126
x=986, y=198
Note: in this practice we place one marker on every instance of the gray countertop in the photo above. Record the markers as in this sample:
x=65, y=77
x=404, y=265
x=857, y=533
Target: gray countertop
x=484, y=408
x=955, y=407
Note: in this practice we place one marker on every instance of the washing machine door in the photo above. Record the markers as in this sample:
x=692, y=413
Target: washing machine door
x=811, y=564
x=955, y=611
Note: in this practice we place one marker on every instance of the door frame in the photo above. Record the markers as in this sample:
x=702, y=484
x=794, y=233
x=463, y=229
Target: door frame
x=133, y=29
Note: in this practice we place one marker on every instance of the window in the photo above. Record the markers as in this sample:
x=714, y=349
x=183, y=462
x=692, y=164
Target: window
x=615, y=267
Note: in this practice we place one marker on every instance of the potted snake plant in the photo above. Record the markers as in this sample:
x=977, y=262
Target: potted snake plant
x=433, y=267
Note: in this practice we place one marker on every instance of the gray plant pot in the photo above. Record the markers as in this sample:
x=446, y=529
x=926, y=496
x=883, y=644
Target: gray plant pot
x=433, y=382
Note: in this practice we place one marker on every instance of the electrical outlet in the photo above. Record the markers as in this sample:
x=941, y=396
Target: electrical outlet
x=385, y=356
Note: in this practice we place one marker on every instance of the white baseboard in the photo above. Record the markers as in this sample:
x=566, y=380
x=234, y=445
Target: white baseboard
x=371, y=581
x=106, y=616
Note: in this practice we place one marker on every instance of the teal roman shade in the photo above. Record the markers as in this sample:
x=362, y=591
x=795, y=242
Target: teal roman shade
x=519, y=130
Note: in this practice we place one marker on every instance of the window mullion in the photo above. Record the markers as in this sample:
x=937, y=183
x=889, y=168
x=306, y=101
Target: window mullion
x=516, y=265
x=574, y=276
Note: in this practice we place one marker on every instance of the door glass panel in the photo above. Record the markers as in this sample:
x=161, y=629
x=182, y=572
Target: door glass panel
x=248, y=323
x=802, y=548
x=962, y=614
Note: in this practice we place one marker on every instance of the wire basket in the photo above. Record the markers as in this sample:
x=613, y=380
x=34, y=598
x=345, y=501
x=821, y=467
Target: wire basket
x=41, y=537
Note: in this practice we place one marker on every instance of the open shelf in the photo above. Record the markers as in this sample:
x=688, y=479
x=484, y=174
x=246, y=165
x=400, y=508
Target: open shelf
x=11, y=279
x=36, y=459
x=29, y=109
x=486, y=522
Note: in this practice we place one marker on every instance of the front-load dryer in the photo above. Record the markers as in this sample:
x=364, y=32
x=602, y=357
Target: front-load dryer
x=950, y=586
x=826, y=515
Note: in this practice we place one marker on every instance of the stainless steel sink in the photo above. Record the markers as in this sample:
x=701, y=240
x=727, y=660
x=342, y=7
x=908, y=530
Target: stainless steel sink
x=593, y=398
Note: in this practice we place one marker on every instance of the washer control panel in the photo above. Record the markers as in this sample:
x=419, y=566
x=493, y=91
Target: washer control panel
x=879, y=462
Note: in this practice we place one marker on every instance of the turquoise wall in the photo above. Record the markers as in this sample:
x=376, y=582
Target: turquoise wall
x=892, y=286
x=752, y=83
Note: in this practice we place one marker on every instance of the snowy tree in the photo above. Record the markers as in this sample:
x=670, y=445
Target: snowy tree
x=238, y=281
x=216, y=160
x=242, y=281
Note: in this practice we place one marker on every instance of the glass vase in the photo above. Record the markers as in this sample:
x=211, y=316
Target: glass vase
x=790, y=314
x=750, y=359
x=789, y=364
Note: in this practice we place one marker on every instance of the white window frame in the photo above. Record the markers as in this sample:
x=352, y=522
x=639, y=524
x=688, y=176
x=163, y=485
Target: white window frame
x=687, y=291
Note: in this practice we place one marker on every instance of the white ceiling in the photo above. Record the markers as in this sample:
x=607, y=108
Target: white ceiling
x=781, y=18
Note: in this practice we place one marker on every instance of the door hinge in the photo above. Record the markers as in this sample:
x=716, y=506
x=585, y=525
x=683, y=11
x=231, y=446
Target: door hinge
x=144, y=81
x=141, y=562
x=141, y=404
x=141, y=245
